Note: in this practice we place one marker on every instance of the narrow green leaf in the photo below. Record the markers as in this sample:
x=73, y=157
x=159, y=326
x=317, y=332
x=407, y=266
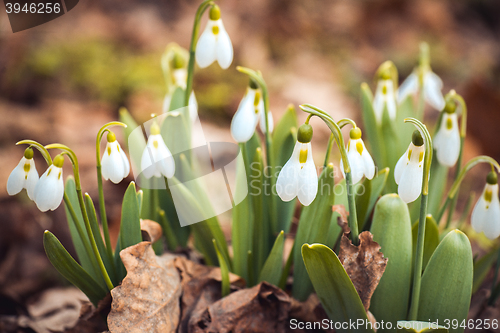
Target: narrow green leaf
x=482, y=266
x=371, y=127
x=366, y=201
x=167, y=231
x=333, y=286
x=431, y=240
x=391, y=229
x=273, y=267
x=224, y=270
x=447, y=282
x=405, y=110
x=77, y=230
x=314, y=226
x=110, y=268
x=70, y=269
x=180, y=233
x=419, y=327
x=140, y=200
x=392, y=147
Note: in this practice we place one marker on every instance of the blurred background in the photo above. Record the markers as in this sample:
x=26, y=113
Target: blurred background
x=61, y=81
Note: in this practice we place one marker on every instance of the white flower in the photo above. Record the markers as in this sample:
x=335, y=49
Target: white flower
x=193, y=107
x=384, y=98
x=486, y=214
x=250, y=110
x=114, y=162
x=24, y=175
x=360, y=160
x=432, y=86
x=447, y=140
x=156, y=159
x=298, y=178
x=49, y=190
x=409, y=172
x=214, y=43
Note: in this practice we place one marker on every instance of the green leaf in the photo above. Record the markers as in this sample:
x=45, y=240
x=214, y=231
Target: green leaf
x=140, y=197
x=167, y=231
x=71, y=270
x=271, y=271
x=391, y=229
x=405, y=110
x=314, y=226
x=175, y=131
x=439, y=176
x=177, y=100
x=78, y=232
x=333, y=286
x=224, y=270
x=431, y=240
x=392, y=147
x=110, y=268
x=340, y=198
x=181, y=234
x=366, y=201
x=482, y=266
x=371, y=127
x=419, y=327
x=447, y=282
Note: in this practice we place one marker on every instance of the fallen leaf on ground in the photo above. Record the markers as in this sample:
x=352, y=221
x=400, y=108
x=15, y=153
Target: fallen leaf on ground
x=364, y=264
x=151, y=231
x=148, y=298
x=92, y=319
x=263, y=308
x=309, y=311
x=342, y=218
x=201, y=286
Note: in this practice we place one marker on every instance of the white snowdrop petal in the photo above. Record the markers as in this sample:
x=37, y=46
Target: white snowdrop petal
x=408, y=87
x=193, y=107
x=126, y=163
x=224, y=47
x=245, y=119
x=410, y=183
x=391, y=105
x=369, y=164
x=206, y=52
x=491, y=226
x=46, y=190
x=147, y=161
x=379, y=101
x=16, y=180
x=447, y=141
x=401, y=165
x=32, y=180
x=479, y=214
x=270, y=122
x=357, y=165
x=59, y=191
x=308, y=180
x=287, y=185
x=432, y=91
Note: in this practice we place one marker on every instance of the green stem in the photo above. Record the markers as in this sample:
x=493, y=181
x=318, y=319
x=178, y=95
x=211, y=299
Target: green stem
x=328, y=150
x=419, y=258
x=337, y=133
x=81, y=201
x=494, y=287
x=192, y=48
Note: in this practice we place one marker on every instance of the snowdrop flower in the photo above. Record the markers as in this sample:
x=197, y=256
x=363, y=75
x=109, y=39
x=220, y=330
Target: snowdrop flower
x=298, y=178
x=214, y=43
x=409, y=170
x=431, y=84
x=250, y=110
x=447, y=139
x=24, y=176
x=156, y=159
x=114, y=162
x=49, y=190
x=360, y=160
x=384, y=98
x=486, y=214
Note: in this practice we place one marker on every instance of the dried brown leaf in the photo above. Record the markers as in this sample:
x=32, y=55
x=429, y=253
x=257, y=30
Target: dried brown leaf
x=151, y=230
x=309, y=311
x=263, y=308
x=148, y=298
x=364, y=264
x=342, y=219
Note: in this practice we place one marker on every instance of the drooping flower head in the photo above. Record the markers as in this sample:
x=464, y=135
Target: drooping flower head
x=49, y=190
x=385, y=97
x=298, y=178
x=409, y=170
x=114, y=162
x=156, y=159
x=250, y=111
x=24, y=176
x=214, y=43
x=423, y=81
x=447, y=139
x=486, y=214
x=360, y=160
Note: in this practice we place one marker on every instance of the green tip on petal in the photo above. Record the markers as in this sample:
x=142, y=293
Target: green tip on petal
x=305, y=133
x=355, y=133
x=28, y=153
x=253, y=84
x=492, y=178
x=450, y=106
x=111, y=137
x=59, y=161
x=178, y=61
x=417, y=138
x=214, y=13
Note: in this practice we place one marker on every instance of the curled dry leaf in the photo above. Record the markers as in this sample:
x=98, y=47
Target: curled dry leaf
x=148, y=298
x=364, y=264
x=151, y=230
x=342, y=218
x=263, y=308
x=201, y=286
